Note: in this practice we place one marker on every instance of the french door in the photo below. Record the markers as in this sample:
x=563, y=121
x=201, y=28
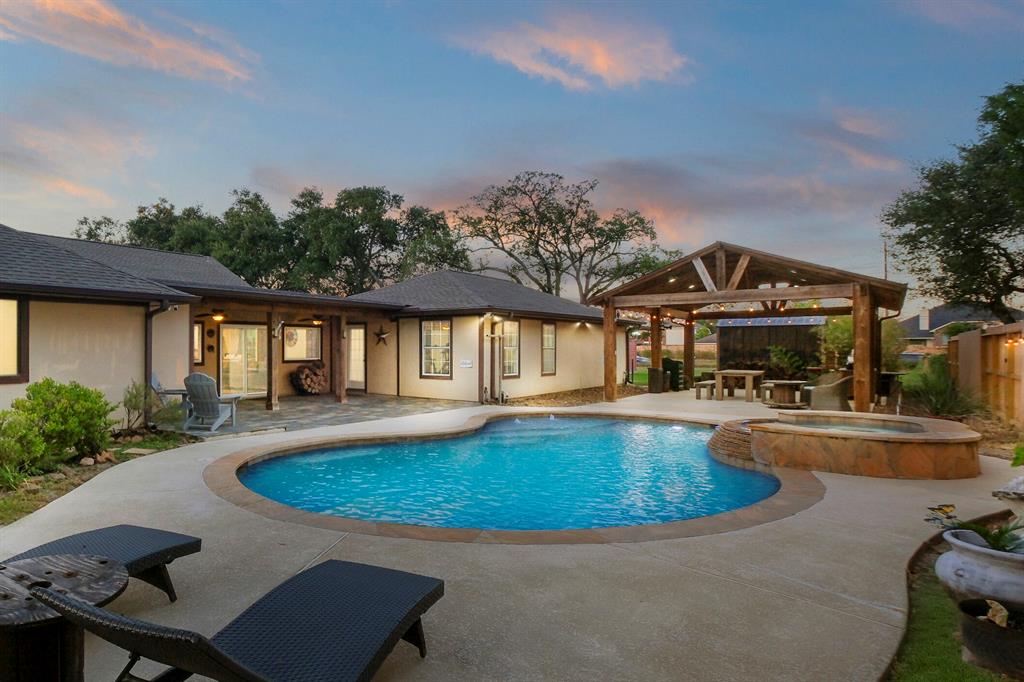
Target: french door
x=243, y=359
x=356, y=334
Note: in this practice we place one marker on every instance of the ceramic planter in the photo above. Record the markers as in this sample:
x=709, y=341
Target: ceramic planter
x=972, y=570
x=992, y=646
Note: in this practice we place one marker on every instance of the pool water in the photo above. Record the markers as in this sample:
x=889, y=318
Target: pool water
x=521, y=474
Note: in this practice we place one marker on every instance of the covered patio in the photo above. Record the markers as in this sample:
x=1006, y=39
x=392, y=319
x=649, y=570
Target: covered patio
x=720, y=280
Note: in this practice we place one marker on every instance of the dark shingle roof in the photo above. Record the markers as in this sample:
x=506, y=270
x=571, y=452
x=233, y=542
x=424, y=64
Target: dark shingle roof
x=944, y=314
x=450, y=291
x=169, y=267
x=31, y=263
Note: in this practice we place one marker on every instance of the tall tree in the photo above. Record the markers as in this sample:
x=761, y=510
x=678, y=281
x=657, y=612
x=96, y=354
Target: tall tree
x=252, y=243
x=961, y=232
x=539, y=229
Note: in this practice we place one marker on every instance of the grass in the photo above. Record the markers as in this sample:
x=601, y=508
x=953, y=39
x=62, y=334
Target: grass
x=41, y=490
x=640, y=374
x=930, y=651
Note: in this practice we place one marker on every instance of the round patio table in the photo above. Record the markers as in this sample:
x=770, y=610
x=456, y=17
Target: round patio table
x=36, y=642
x=784, y=393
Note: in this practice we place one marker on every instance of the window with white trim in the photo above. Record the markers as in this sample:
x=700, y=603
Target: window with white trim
x=548, y=339
x=436, y=348
x=510, y=348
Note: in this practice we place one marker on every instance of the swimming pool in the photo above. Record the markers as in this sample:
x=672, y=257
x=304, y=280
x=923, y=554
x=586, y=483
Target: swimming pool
x=519, y=474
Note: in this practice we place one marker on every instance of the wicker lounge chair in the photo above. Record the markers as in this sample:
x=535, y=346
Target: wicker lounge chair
x=145, y=552
x=208, y=409
x=831, y=396
x=335, y=621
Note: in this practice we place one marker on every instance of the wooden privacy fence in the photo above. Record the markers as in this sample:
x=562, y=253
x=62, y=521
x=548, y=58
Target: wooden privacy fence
x=990, y=364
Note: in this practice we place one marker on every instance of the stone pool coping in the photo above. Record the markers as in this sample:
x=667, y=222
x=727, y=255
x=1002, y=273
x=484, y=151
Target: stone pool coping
x=932, y=430
x=798, y=490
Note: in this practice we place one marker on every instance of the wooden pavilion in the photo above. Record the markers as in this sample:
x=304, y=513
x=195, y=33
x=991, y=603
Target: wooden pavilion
x=706, y=283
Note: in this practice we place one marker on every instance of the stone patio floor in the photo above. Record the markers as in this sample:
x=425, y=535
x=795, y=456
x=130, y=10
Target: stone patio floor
x=819, y=595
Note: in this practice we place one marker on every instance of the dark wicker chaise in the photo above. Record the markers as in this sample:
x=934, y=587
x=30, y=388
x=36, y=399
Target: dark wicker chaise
x=145, y=552
x=335, y=621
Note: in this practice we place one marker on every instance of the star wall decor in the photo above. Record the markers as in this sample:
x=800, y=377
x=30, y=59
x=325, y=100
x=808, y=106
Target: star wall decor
x=382, y=336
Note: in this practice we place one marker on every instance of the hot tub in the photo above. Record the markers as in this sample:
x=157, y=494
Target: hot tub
x=881, y=445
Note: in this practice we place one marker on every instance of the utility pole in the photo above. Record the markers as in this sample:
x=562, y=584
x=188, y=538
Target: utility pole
x=885, y=259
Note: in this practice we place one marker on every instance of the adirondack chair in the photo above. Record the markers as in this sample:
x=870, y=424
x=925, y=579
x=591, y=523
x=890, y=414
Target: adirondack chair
x=208, y=409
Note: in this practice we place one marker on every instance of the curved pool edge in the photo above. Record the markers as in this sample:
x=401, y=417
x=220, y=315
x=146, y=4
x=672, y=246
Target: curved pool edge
x=798, y=490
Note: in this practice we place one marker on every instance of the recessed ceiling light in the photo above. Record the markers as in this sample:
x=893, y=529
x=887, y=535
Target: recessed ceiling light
x=671, y=279
x=691, y=286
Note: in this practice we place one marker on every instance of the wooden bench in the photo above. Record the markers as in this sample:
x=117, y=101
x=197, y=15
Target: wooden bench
x=708, y=384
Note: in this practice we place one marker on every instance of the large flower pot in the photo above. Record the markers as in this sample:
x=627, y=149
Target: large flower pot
x=990, y=645
x=972, y=570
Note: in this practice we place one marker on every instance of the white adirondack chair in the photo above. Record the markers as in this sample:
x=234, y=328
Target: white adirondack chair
x=208, y=409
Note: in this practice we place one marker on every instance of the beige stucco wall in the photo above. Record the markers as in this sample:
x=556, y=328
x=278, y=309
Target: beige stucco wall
x=464, y=382
x=171, y=346
x=99, y=346
x=381, y=358
x=578, y=359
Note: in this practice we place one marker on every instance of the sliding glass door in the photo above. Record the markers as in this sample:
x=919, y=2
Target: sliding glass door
x=243, y=359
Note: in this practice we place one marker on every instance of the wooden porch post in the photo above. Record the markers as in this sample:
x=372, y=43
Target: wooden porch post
x=655, y=338
x=864, y=317
x=610, y=364
x=273, y=362
x=689, y=351
x=339, y=357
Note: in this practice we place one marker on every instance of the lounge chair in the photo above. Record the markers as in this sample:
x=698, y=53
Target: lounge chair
x=145, y=552
x=830, y=396
x=208, y=409
x=335, y=621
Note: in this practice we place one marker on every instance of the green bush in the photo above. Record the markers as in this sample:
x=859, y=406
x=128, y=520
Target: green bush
x=932, y=390
x=137, y=398
x=22, y=451
x=74, y=421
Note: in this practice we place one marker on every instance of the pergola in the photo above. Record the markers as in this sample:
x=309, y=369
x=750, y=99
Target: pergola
x=701, y=285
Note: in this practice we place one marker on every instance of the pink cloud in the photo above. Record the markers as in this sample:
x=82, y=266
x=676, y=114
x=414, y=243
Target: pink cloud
x=580, y=52
x=862, y=158
x=77, y=190
x=861, y=123
x=969, y=15
x=98, y=29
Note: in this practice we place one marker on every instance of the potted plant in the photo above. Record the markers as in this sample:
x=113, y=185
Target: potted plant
x=1013, y=492
x=994, y=635
x=984, y=563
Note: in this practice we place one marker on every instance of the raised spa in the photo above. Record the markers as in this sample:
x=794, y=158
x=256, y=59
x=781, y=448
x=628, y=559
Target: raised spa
x=519, y=474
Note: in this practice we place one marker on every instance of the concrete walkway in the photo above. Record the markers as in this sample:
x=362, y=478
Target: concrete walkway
x=815, y=596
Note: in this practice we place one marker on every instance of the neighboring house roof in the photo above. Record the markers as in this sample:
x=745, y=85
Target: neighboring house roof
x=453, y=292
x=169, y=267
x=31, y=263
x=711, y=340
x=804, y=321
x=946, y=314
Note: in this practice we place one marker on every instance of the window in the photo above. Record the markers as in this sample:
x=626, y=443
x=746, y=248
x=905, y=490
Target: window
x=436, y=348
x=510, y=349
x=548, y=334
x=13, y=341
x=197, y=343
x=301, y=344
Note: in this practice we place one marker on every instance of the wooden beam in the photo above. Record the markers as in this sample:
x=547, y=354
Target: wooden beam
x=689, y=353
x=699, y=298
x=768, y=307
x=705, y=276
x=610, y=376
x=341, y=391
x=720, y=268
x=656, y=334
x=863, y=346
x=788, y=312
x=737, y=274
x=273, y=361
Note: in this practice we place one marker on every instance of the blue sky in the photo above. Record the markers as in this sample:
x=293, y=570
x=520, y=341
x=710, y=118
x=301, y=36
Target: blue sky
x=785, y=126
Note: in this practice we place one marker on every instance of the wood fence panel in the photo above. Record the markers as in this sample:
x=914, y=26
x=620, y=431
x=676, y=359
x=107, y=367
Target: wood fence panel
x=993, y=368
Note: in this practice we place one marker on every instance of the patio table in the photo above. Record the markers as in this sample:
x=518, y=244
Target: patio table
x=749, y=377
x=36, y=643
x=785, y=393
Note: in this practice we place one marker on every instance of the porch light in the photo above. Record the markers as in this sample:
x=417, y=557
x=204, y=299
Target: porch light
x=318, y=322
x=692, y=286
x=218, y=315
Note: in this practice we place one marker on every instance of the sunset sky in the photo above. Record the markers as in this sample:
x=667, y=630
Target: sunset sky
x=784, y=126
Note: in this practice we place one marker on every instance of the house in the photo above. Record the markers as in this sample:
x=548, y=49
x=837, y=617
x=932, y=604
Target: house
x=106, y=315
x=928, y=328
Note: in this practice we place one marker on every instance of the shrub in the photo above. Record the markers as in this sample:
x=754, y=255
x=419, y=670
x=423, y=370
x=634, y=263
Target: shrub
x=137, y=398
x=21, y=449
x=784, y=364
x=73, y=420
x=932, y=390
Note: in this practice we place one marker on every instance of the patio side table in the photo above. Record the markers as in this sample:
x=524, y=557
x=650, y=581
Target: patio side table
x=36, y=643
x=785, y=393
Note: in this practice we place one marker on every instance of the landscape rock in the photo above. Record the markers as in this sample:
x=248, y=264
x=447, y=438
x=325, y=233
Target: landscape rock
x=30, y=486
x=56, y=476
x=86, y=461
x=140, y=451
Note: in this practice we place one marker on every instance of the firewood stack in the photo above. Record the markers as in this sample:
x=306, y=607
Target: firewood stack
x=311, y=379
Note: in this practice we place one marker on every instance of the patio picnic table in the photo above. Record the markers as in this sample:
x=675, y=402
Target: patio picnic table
x=749, y=377
x=36, y=643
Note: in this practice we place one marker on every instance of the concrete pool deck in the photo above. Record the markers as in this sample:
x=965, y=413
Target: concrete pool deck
x=817, y=595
